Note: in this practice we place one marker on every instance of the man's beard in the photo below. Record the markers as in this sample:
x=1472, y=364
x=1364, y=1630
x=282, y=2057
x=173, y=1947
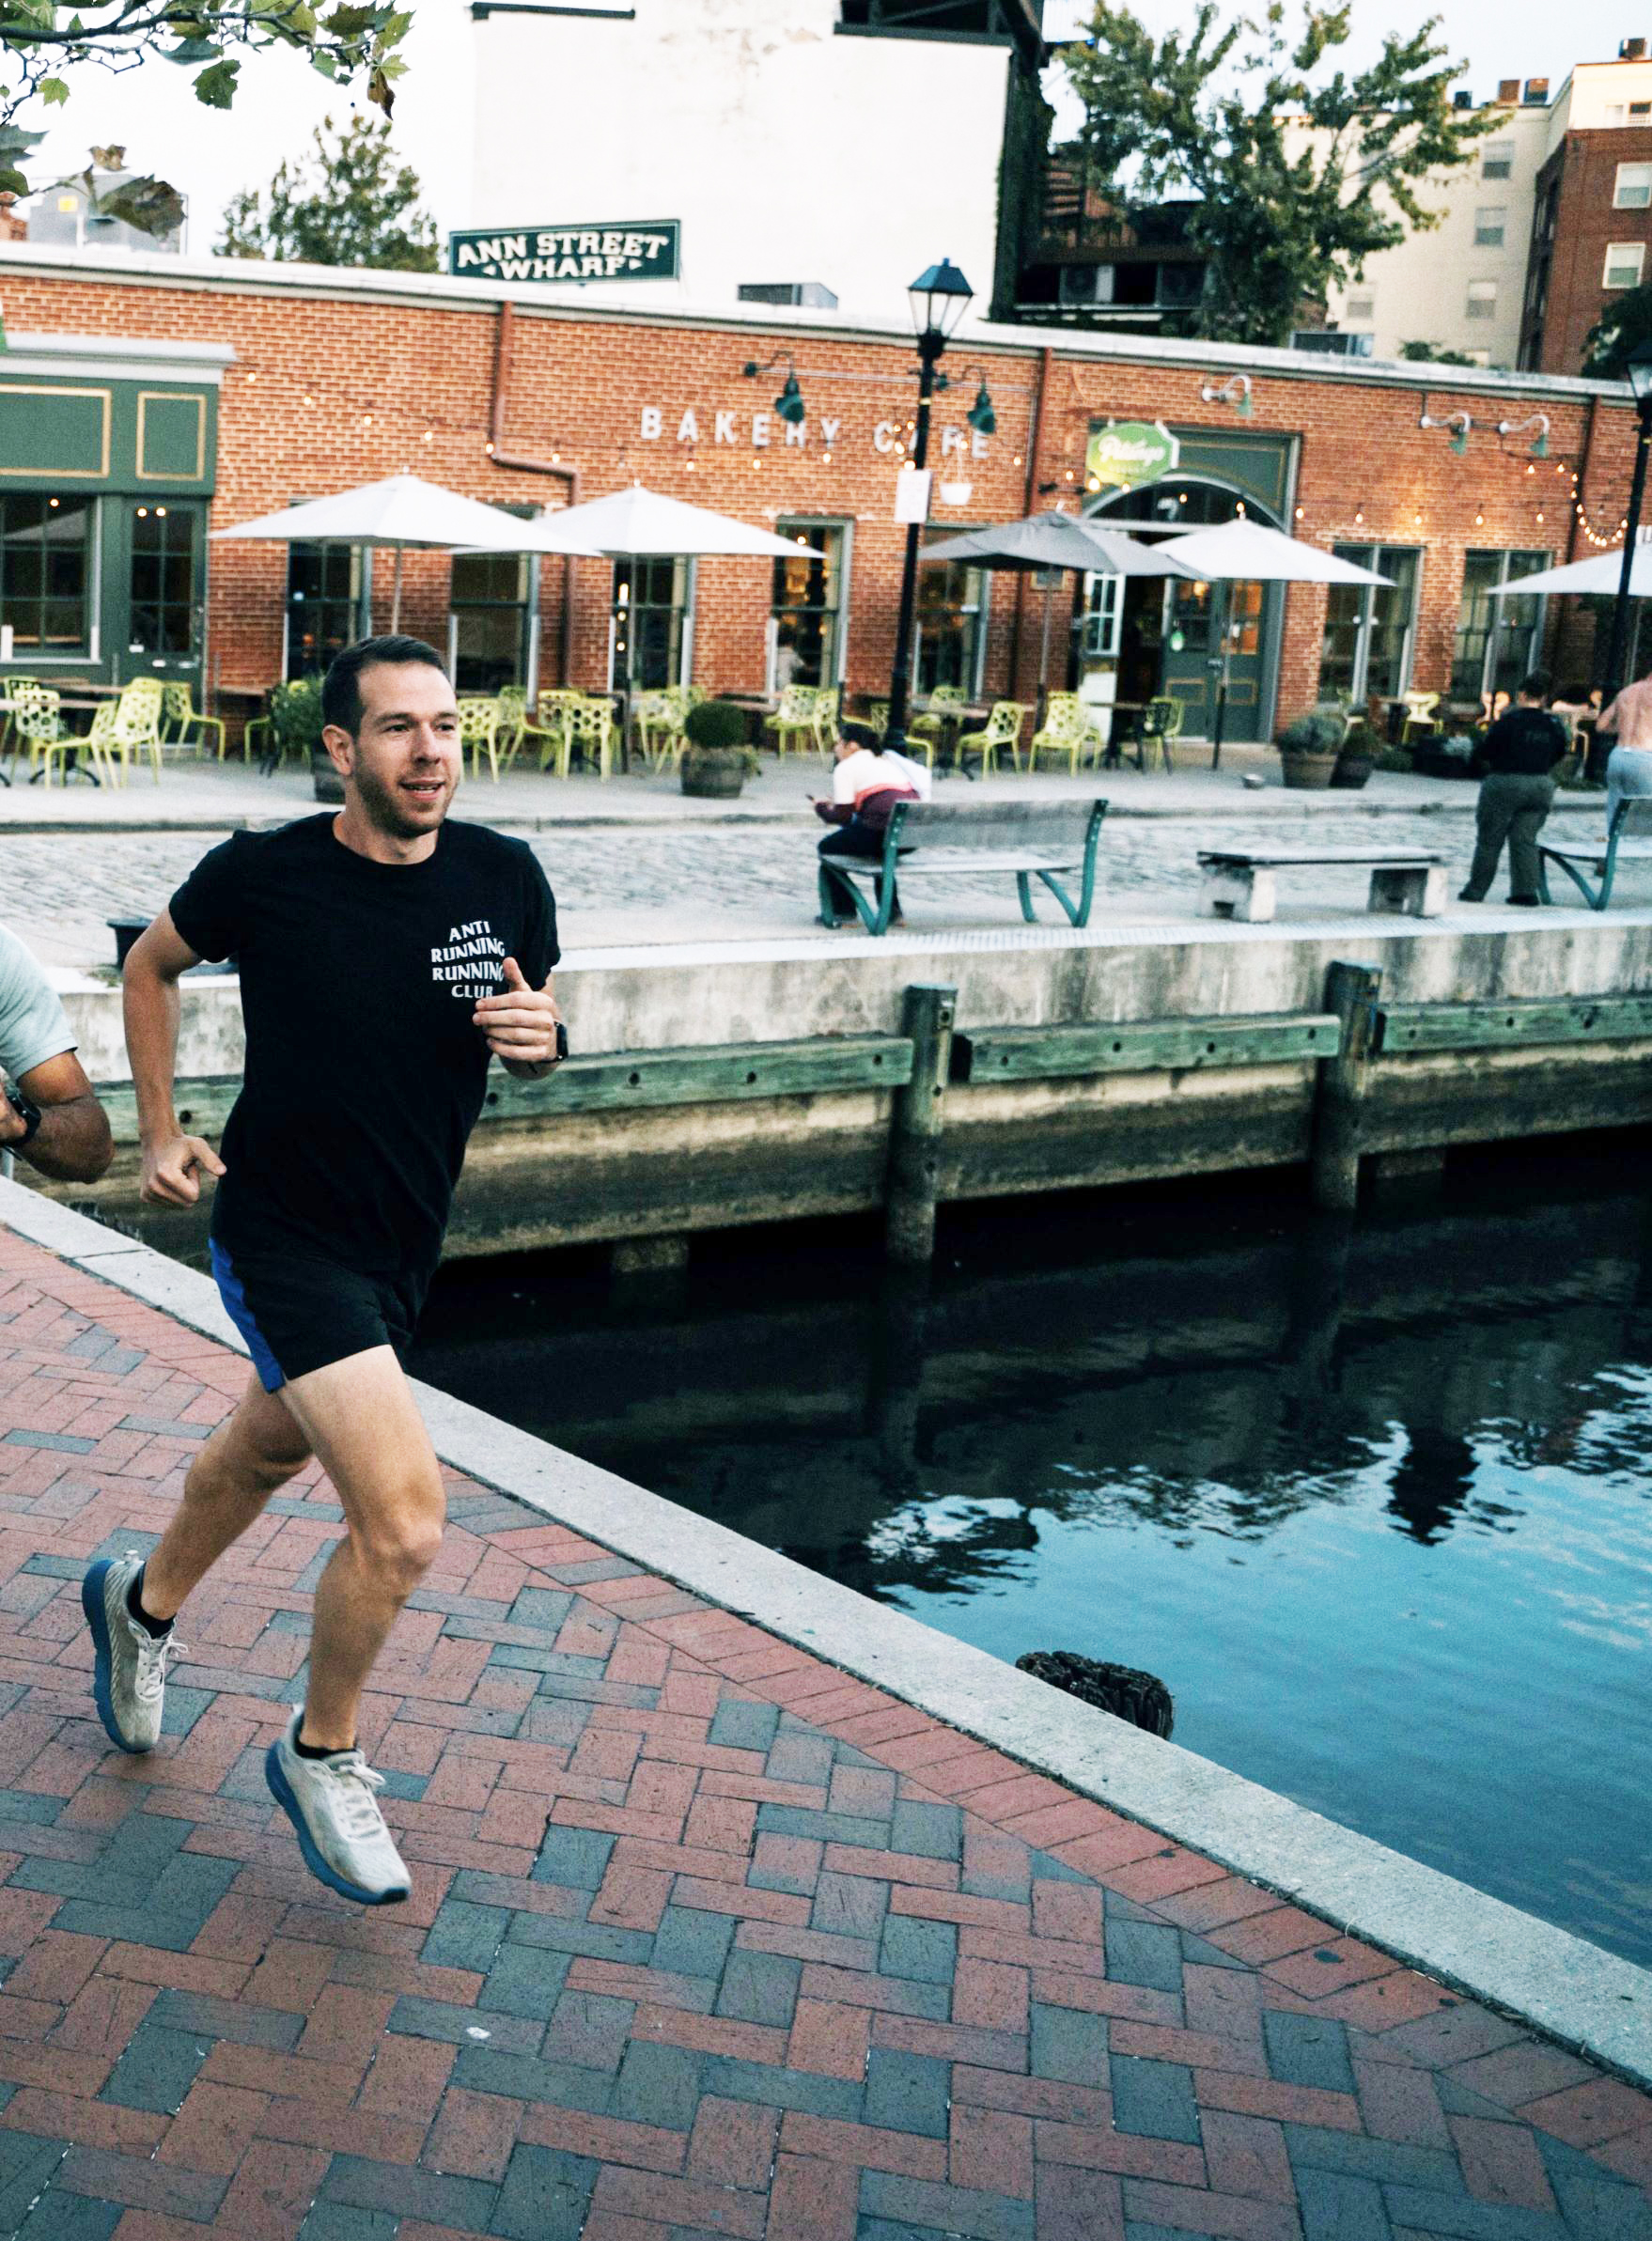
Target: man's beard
x=383, y=811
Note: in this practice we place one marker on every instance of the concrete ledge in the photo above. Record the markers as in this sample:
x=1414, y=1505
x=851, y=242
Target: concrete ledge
x=1583, y=1997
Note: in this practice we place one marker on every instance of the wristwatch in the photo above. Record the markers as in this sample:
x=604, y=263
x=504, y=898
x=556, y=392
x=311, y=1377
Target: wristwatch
x=26, y=1111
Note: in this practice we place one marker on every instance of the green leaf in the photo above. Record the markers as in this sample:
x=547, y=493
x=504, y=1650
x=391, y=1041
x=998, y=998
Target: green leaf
x=380, y=92
x=12, y=182
x=193, y=49
x=14, y=142
x=216, y=87
x=150, y=205
x=53, y=92
x=325, y=63
x=349, y=23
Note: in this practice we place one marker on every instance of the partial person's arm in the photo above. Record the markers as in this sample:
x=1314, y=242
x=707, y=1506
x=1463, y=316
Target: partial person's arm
x=172, y=1161
x=73, y=1143
x=1608, y=719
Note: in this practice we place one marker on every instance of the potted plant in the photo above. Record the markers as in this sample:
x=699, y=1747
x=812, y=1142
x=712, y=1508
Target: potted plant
x=1357, y=756
x=1308, y=750
x=716, y=760
x=295, y=726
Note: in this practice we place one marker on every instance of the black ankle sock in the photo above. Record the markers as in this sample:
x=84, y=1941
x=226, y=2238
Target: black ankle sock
x=157, y=1630
x=309, y=1751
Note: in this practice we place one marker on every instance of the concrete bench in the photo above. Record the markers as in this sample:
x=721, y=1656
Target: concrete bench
x=1630, y=839
x=1026, y=840
x=1242, y=882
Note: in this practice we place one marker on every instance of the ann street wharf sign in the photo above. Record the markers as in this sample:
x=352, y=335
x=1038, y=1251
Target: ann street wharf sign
x=630, y=250
x=1129, y=453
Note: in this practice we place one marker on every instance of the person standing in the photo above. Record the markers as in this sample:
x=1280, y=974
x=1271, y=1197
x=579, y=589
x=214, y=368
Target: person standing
x=385, y=955
x=1628, y=767
x=49, y=1111
x=1520, y=752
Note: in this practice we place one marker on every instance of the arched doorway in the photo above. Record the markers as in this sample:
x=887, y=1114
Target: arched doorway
x=1170, y=634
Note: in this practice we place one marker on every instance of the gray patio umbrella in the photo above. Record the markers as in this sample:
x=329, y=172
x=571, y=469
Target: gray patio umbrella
x=1049, y=541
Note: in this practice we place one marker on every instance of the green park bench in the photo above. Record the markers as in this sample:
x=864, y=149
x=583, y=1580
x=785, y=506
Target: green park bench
x=1028, y=840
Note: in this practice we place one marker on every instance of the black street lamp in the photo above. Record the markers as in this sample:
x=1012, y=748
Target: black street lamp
x=938, y=298
x=1640, y=374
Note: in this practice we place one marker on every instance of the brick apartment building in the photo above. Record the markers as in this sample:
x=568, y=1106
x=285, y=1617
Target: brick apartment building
x=146, y=400
x=1590, y=225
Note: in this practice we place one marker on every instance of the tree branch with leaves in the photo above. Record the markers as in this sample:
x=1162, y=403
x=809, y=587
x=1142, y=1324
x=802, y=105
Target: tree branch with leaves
x=348, y=203
x=38, y=38
x=1299, y=170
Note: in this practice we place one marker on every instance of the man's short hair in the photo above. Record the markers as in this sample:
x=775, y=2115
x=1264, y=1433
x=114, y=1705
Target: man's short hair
x=861, y=735
x=341, y=687
x=1538, y=686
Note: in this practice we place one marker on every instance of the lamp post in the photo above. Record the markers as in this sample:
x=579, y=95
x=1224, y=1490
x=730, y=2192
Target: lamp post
x=938, y=298
x=1640, y=374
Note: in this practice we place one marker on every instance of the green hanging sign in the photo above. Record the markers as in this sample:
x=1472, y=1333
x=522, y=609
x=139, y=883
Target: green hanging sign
x=1128, y=454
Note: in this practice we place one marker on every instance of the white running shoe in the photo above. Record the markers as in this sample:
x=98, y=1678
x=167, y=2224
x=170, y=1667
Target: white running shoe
x=340, y=1831
x=129, y=1674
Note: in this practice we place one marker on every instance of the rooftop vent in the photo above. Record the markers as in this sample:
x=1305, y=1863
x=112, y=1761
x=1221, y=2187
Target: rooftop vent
x=1463, y=100
x=1537, y=93
x=1508, y=90
x=1631, y=50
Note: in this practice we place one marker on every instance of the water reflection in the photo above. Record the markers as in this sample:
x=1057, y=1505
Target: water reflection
x=1371, y=1498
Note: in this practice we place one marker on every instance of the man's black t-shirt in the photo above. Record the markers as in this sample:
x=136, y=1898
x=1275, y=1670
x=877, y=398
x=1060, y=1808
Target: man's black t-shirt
x=365, y=1072
x=1525, y=742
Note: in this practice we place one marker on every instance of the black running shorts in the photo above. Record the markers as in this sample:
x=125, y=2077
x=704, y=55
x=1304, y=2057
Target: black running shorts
x=300, y=1315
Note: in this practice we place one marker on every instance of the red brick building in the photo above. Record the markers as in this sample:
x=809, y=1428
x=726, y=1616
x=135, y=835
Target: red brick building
x=146, y=400
x=1592, y=222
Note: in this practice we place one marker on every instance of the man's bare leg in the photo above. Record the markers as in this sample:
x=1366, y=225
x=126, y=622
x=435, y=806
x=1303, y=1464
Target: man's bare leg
x=361, y=1418
x=249, y=1458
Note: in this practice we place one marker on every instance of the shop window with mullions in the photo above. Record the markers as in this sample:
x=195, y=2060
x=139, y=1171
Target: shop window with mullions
x=652, y=607
x=1498, y=633
x=806, y=605
x=492, y=603
x=1366, y=649
x=951, y=623
x=46, y=548
x=163, y=580
x=329, y=590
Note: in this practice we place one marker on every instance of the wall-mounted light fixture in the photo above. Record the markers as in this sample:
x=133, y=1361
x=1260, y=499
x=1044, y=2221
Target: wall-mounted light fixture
x=789, y=405
x=1235, y=390
x=982, y=415
x=1537, y=420
x=1458, y=423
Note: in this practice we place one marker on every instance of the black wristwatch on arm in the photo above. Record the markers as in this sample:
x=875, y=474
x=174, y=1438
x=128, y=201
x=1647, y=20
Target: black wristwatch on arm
x=28, y=1112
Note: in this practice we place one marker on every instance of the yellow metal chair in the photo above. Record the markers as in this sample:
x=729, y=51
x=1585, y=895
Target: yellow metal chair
x=552, y=730
x=479, y=729
x=40, y=727
x=104, y=746
x=828, y=712
x=659, y=718
x=928, y=726
x=8, y=734
x=590, y=728
x=1067, y=730
x=180, y=717
x=1002, y=728
x=793, y=721
x=878, y=716
x=137, y=730
x=1420, y=721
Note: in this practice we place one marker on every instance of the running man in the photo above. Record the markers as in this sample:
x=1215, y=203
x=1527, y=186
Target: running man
x=385, y=955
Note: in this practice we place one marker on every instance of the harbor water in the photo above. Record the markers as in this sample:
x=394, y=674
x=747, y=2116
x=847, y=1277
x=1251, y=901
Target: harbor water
x=1373, y=1501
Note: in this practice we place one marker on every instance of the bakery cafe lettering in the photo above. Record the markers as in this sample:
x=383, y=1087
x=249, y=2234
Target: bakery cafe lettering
x=630, y=250
x=748, y=430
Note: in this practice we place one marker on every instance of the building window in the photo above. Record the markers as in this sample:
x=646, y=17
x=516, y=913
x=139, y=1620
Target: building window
x=952, y=624
x=807, y=607
x=492, y=607
x=1498, y=637
x=1489, y=224
x=1624, y=261
x=1497, y=161
x=1369, y=627
x=163, y=580
x=653, y=607
x=46, y=574
x=328, y=587
x=1482, y=299
x=1361, y=307
x=1632, y=190
x=1639, y=110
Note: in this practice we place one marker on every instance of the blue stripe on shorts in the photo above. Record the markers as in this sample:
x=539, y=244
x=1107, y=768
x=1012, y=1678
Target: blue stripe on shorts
x=271, y=1375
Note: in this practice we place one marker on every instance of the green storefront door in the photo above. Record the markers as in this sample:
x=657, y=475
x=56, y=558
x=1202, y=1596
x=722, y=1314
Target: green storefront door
x=157, y=601
x=1203, y=621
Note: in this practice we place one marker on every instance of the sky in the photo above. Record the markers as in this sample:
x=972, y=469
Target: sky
x=210, y=154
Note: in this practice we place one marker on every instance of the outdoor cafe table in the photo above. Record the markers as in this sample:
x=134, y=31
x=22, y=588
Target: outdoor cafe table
x=73, y=765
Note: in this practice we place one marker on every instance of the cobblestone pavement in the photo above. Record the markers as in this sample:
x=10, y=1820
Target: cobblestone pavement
x=705, y=1940
x=64, y=885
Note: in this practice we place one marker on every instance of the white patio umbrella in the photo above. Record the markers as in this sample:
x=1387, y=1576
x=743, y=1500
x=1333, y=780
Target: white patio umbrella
x=639, y=525
x=1051, y=541
x=1598, y=576
x=1247, y=552
x=403, y=511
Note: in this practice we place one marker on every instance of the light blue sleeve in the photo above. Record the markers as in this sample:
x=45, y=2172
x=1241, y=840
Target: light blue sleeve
x=33, y=1023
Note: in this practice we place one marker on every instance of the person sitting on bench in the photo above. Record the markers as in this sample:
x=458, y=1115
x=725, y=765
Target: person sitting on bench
x=868, y=782
x=1520, y=752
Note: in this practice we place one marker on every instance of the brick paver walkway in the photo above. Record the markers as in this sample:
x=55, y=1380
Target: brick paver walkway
x=705, y=1940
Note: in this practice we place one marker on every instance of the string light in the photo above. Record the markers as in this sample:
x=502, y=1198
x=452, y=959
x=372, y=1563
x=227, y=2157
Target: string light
x=1302, y=513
